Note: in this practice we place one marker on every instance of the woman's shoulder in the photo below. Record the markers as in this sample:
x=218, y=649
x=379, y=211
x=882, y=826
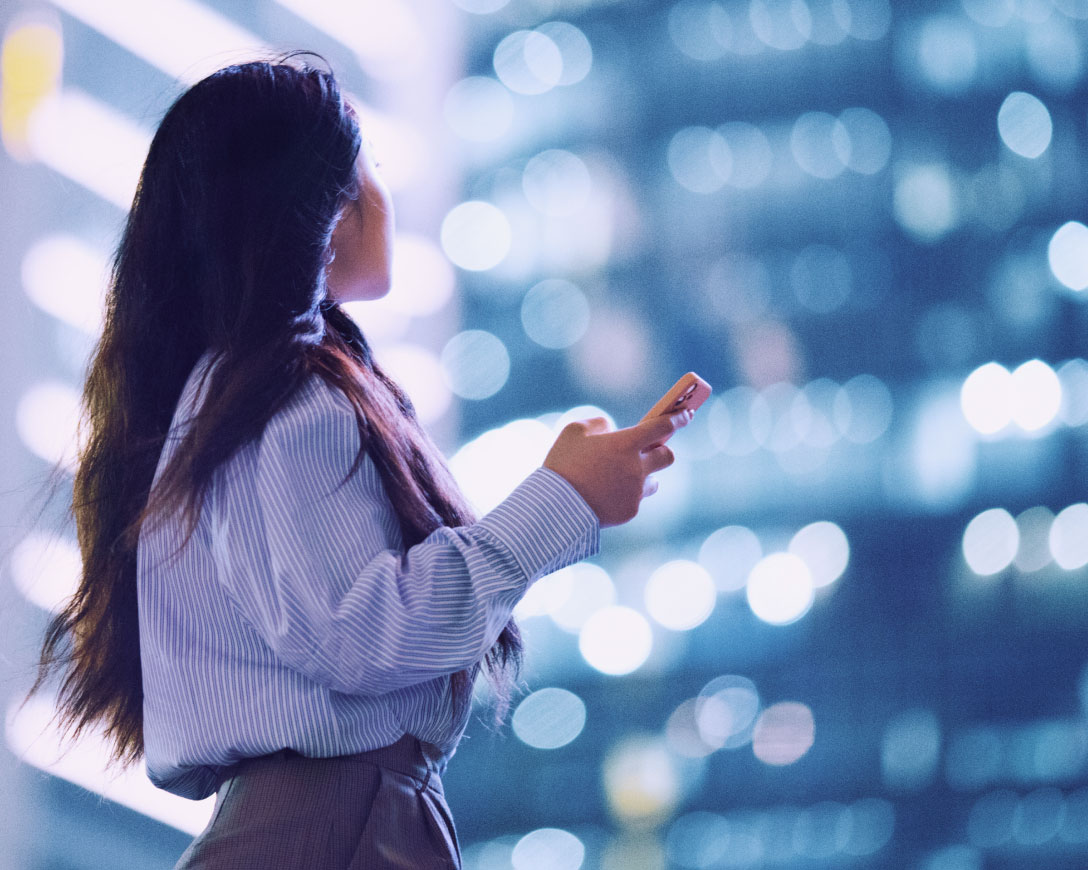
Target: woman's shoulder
x=314, y=400
x=315, y=413
x=317, y=422
x=313, y=396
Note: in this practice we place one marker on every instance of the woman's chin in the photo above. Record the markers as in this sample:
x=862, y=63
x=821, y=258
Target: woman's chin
x=378, y=289
x=361, y=291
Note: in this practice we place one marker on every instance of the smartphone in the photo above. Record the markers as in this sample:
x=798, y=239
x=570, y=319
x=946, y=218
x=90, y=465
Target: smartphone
x=688, y=393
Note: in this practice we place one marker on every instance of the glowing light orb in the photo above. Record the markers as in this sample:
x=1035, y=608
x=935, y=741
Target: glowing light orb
x=680, y=595
x=1068, y=255
x=616, y=640
x=1024, y=124
x=780, y=588
x=783, y=733
x=549, y=718
x=990, y=542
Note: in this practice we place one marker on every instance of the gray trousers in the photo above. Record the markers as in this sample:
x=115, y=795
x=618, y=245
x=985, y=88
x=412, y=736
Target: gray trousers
x=376, y=810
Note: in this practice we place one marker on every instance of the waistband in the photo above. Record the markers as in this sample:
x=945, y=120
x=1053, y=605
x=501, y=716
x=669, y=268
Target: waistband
x=409, y=755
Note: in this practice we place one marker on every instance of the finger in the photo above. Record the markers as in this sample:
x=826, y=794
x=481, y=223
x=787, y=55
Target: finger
x=657, y=429
x=649, y=486
x=657, y=458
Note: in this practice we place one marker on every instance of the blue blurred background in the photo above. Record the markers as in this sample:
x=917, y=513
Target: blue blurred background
x=849, y=629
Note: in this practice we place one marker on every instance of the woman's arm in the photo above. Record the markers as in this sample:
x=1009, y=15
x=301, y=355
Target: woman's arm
x=305, y=560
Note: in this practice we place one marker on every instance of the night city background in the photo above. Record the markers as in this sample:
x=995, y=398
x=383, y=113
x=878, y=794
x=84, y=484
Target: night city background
x=849, y=631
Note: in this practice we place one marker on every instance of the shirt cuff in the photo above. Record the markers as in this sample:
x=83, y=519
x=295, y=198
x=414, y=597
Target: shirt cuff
x=545, y=523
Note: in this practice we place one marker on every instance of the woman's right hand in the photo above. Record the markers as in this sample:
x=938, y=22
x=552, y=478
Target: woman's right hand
x=611, y=468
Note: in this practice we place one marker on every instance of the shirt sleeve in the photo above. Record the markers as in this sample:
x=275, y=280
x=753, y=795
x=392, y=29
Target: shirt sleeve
x=307, y=563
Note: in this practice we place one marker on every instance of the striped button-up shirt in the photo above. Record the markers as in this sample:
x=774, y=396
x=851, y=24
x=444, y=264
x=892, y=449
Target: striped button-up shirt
x=295, y=617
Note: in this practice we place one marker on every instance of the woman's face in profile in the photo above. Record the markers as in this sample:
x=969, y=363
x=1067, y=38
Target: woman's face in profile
x=362, y=241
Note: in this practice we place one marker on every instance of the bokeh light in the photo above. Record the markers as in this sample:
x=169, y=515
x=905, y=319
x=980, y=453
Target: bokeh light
x=820, y=144
x=925, y=201
x=682, y=732
x=528, y=62
x=751, y=158
x=869, y=20
x=1034, y=525
x=475, y=363
x=615, y=640
x=575, y=50
x=990, y=542
x=47, y=418
x=1039, y=816
x=549, y=718
x=591, y=590
x=1055, y=54
x=46, y=569
x=700, y=29
x=548, y=847
x=680, y=595
x=990, y=13
x=873, y=823
x=870, y=140
x=1037, y=395
x=1024, y=124
x=476, y=236
x=1074, y=379
x=90, y=142
x=1069, y=537
x=989, y=823
x=699, y=159
x=985, y=398
x=910, y=750
x=641, y=781
x=556, y=182
x=488, y=467
x=67, y=278
x=555, y=313
x=33, y=60
x=725, y=712
x=783, y=733
x=780, y=588
x=863, y=409
x=784, y=26
x=547, y=595
x=699, y=840
x=1068, y=255
x=992, y=397
x=420, y=372
x=479, y=109
x=729, y=554
x=947, y=53
x=824, y=549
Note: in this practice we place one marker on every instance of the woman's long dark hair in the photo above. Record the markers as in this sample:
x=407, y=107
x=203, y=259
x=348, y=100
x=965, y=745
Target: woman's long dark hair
x=225, y=249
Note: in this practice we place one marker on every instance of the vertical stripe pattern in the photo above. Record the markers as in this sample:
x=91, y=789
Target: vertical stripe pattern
x=295, y=617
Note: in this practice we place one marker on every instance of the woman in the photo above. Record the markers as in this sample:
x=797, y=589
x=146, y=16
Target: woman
x=285, y=599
